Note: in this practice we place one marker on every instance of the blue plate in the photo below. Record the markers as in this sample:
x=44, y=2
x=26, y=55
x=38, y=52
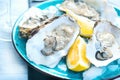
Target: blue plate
x=60, y=70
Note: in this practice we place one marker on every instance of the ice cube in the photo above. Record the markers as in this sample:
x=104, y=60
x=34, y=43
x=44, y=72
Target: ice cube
x=92, y=73
x=62, y=67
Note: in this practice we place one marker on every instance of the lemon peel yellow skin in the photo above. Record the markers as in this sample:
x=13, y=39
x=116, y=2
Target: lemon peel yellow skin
x=76, y=58
x=86, y=25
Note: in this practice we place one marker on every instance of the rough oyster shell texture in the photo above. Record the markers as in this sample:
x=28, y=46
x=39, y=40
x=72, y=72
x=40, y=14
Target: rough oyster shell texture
x=33, y=20
x=104, y=46
x=36, y=43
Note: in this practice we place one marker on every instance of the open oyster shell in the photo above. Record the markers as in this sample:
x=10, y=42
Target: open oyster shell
x=80, y=8
x=104, y=46
x=45, y=39
x=33, y=20
x=105, y=8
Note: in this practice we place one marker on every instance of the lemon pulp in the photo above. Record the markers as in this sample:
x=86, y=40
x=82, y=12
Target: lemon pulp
x=76, y=58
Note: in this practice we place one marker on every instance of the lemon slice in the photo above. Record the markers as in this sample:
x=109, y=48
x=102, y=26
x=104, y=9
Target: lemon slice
x=86, y=25
x=76, y=58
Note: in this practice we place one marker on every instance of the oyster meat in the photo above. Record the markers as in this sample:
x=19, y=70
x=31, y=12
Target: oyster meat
x=33, y=20
x=57, y=39
x=80, y=8
x=52, y=42
x=104, y=46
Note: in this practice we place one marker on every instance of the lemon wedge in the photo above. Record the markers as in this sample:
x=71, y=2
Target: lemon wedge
x=86, y=25
x=76, y=58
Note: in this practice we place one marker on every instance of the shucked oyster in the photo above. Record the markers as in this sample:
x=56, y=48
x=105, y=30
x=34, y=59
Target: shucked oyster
x=80, y=8
x=104, y=47
x=52, y=42
x=33, y=20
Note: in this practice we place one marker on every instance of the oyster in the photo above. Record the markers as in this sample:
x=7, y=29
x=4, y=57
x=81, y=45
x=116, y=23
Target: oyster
x=52, y=42
x=33, y=20
x=103, y=47
x=80, y=8
x=105, y=8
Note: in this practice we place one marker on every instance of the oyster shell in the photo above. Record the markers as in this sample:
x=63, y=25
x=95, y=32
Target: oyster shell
x=52, y=42
x=105, y=8
x=80, y=8
x=103, y=47
x=33, y=20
